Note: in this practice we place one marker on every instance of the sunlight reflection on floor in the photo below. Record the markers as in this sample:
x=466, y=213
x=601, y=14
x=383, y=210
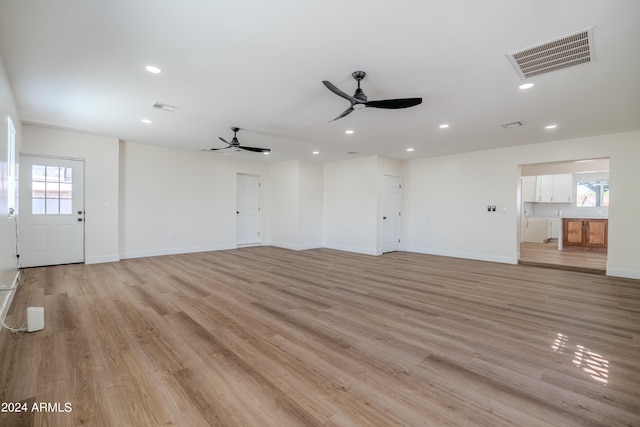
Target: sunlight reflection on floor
x=594, y=364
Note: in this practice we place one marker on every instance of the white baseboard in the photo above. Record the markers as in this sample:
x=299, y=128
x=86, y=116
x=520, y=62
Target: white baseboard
x=6, y=296
x=465, y=255
x=101, y=259
x=176, y=251
x=357, y=250
x=623, y=272
x=296, y=247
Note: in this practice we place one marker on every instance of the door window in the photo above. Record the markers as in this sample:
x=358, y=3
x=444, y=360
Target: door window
x=51, y=190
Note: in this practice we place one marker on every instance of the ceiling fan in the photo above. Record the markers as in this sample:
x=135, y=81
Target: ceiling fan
x=359, y=99
x=236, y=144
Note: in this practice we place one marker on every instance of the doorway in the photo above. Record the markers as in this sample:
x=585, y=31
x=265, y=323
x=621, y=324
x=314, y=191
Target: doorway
x=551, y=195
x=51, y=226
x=248, y=218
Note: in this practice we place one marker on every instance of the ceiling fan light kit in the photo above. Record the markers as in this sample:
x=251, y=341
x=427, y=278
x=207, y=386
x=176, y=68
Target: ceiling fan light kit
x=360, y=101
x=235, y=144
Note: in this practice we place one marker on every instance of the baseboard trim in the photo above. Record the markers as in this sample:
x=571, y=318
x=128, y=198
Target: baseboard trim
x=465, y=255
x=357, y=250
x=295, y=247
x=623, y=272
x=176, y=251
x=102, y=259
x=6, y=296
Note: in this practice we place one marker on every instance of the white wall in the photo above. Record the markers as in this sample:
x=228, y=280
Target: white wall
x=445, y=202
x=8, y=264
x=311, y=205
x=296, y=205
x=175, y=201
x=171, y=201
x=351, y=205
x=445, y=199
x=100, y=155
x=285, y=214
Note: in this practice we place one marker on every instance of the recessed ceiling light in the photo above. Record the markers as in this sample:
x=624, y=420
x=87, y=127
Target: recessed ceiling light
x=410, y=149
x=316, y=153
x=444, y=126
x=551, y=127
x=266, y=153
x=153, y=69
x=349, y=132
x=147, y=121
x=526, y=86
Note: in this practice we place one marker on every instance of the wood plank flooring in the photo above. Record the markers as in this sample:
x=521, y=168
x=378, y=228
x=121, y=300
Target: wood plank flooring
x=264, y=336
x=593, y=260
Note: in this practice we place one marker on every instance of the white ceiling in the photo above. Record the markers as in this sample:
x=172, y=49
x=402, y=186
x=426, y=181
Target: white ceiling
x=259, y=65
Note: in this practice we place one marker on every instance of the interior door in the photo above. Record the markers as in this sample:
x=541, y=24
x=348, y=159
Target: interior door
x=51, y=225
x=391, y=203
x=248, y=210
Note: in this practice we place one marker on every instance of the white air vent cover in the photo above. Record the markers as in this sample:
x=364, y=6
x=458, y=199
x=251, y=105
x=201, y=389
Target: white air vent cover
x=164, y=107
x=567, y=51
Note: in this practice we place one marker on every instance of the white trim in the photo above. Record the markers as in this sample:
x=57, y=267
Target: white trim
x=623, y=272
x=8, y=297
x=354, y=249
x=101, y=259
x=295, y=247
x=465, y=255
x=176, y=251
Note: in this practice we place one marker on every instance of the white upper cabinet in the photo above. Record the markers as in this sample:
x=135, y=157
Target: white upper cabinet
x=554, y=188
x=563, y=188
x=544, y=188
x=529, y=188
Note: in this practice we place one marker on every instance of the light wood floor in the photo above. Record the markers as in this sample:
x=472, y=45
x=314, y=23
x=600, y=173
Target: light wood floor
x=264, y=336
x=592, y=260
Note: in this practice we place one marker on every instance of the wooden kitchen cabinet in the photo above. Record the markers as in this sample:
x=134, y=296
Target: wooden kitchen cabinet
x=588, y=233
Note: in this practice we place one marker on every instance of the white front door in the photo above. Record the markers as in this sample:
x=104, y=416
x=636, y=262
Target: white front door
x=248, y=210
x=391, y=201
x=51, y=216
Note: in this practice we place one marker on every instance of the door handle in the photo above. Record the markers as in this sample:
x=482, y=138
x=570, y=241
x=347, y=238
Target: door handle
x=384, y=217
x=79, y=219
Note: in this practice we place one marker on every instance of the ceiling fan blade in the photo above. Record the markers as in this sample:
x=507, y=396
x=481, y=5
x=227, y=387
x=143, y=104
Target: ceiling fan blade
x=216, y=149
x=255, y=149
x=224, y=140
x=338, y=92
x=394, y=103
x=344, y=113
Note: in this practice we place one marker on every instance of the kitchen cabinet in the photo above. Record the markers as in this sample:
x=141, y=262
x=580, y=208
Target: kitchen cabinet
x=562, y=188
x=529, y=189
x=587, y=233
x=544, y=188
x=554, y=188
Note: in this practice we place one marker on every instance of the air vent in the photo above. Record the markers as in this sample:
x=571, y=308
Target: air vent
x=512, y=125
x=164, y=107
x=567, y=51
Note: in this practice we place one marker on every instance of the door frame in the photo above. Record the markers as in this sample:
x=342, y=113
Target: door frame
x=23, y=203
x=257, y=215
x=395, y=246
